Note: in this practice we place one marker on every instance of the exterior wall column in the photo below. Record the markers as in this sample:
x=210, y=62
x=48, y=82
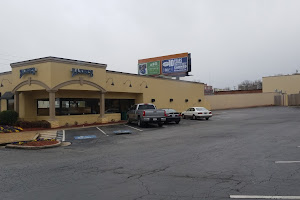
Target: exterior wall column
x=16, y=101
x=52, y=104
x=102, y=104
x=3, y=104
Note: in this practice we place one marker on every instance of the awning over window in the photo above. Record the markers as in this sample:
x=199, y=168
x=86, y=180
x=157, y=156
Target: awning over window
x=7, y=95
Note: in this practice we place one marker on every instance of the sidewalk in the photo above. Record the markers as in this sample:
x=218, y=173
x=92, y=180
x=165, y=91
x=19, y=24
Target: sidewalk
x=18, y=137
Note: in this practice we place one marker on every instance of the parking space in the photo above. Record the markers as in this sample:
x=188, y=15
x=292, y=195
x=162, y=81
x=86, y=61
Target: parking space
x=97, y=134
x=101, y=134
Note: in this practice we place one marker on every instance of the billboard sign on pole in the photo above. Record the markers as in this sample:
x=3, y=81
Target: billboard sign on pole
x=176, y=65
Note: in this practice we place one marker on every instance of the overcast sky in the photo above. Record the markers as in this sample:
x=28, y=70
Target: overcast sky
x=229, y=40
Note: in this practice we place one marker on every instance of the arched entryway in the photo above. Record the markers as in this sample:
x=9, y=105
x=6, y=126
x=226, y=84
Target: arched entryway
x=52, y=94
x=24, y=83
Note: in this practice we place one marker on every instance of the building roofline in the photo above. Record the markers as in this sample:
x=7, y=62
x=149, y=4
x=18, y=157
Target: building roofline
x=152, y=77
x=282, y=75
x=57, y=60
x=4, y=73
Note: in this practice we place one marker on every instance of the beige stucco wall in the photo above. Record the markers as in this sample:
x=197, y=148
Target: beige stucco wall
x=52, y=74
x=43, y=74
x=160, y=89
x=289, y=84
x=7, y=85
x=240, y=100
x=3, y=105
x=82, y=119
x=61, y=72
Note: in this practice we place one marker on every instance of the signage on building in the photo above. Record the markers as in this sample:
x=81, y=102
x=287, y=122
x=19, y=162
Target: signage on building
x=150, y=68
x=82, y=71
x=172, y=65
x=27, y=71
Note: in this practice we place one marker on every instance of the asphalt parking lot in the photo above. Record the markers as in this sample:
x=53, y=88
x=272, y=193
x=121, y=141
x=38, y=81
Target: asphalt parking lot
x=246, y=152
x=108, y=133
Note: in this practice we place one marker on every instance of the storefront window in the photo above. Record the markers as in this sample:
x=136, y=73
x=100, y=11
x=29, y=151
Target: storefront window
x=118, y=106
x=112, y=106
x=70, y=107
x=10, y=104
x=65, y=104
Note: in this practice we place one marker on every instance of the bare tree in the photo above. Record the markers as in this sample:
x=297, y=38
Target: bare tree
x=250, y=85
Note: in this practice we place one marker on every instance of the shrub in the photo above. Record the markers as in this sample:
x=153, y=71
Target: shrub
x=45, y=124
x=25, y=124
x=34, y=124
x=8, y=117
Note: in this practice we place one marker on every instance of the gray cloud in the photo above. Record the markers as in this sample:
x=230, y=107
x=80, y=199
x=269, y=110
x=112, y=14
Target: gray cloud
x=230, y=41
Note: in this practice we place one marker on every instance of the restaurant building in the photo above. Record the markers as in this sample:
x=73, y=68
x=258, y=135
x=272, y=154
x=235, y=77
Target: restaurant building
x=64, y=91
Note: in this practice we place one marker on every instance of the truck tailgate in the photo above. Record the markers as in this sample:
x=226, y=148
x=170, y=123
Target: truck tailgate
x=154, y=113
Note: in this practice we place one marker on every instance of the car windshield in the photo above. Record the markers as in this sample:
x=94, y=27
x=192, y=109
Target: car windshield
x=146, y=106
x=201, y=109
x=170, y=110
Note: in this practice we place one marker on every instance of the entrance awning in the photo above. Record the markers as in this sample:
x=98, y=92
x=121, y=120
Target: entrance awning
x=7, y=95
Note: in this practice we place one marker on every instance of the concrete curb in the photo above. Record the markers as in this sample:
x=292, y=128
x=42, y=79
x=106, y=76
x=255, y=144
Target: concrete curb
x=81, y=127
x=14, y=146
x=65, y=144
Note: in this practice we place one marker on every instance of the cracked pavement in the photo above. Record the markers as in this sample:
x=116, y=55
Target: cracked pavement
x=234, y=153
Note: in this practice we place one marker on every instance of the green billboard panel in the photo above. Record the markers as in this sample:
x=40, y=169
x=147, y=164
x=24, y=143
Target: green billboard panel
x=153, y=68
x=150, y=68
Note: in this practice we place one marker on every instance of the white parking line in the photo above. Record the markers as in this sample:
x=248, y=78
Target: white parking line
x=63, y=136
x=298, y=146
x=286, y=162
x=101, y=131
x=262, y=197
x=133, y=127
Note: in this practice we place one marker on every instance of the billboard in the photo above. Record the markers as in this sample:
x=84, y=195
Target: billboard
x=172, y=65
x=175, y=65
x=150, y=68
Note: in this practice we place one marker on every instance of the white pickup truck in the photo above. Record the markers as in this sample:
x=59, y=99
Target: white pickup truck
x=144, y=113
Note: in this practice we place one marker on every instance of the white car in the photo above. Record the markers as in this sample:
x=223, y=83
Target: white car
x=196, y=113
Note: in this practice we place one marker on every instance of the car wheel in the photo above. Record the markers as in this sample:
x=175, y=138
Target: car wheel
x=128, y=120
x=207, y=118
x=177, y=122
x=194, y=117
x=183, y=116
x=140, y=123
x=160, y=124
